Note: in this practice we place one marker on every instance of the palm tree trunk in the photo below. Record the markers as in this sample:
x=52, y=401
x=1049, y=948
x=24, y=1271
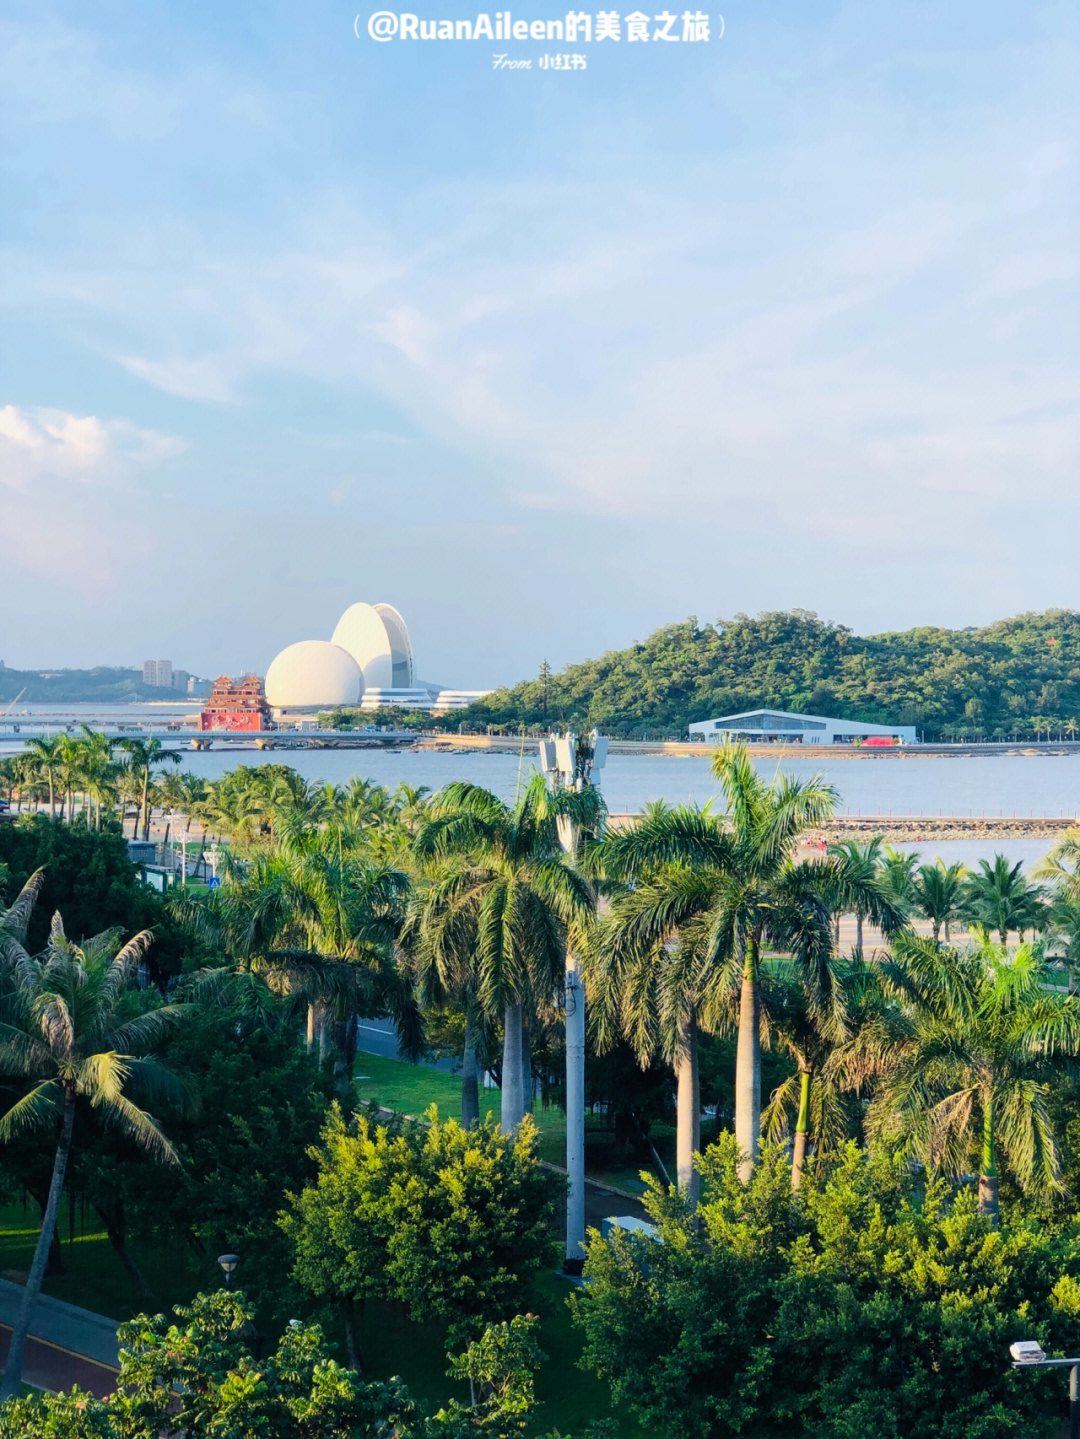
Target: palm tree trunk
x=12, y=1381
x=858, y=932
x=748, y=1066
x=688, y=1109
x=470, y=1092
x=310, y=1035
x=988, y=1175
x=513, y=1099
x=802, y=1128
x=526, y=1068
x=52, y=798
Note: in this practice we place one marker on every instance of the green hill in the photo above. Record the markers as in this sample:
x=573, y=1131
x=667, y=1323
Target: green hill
x=104, y=685
x=1004, y=680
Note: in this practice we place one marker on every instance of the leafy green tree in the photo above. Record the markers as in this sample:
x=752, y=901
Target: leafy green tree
x=970, y=1078
x=454, y=1223
x=253, y=1106
x=870, y=1307
x=91, y=880
x=64, y=1032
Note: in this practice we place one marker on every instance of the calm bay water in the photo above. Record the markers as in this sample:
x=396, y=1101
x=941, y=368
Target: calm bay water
x=998, y=785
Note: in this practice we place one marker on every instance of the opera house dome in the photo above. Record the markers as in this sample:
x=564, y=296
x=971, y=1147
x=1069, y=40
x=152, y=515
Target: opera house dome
x=313, y=674
x=376, y=637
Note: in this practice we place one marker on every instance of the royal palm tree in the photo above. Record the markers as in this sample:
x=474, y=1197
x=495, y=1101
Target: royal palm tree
x=998, y=898
x=652, y=985
x=939, y=895
x=736, y=874
x=984, y=1032
x=63, y=1031
x=502, y=875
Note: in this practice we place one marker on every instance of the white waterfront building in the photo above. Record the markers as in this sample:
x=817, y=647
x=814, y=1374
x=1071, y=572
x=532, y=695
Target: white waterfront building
x=782, y=727
x=367, y=662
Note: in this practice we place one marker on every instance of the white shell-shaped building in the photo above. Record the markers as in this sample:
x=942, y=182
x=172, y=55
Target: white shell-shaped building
x=369, y=651
x=376, y=637
x=313, y=674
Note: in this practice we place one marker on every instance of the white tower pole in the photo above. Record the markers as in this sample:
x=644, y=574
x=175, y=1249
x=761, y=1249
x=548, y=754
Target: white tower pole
x=566, y=772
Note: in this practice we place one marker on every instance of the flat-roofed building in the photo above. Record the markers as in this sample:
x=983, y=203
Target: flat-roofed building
x=782, y=727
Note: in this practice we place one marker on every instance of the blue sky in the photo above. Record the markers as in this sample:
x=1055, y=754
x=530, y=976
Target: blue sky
x=546, y=360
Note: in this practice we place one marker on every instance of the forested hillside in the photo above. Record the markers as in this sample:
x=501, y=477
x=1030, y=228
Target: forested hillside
x=1018, y=676
x=107, y=686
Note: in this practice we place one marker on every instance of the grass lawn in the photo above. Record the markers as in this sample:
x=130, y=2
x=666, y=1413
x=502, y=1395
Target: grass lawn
x=413, y=1088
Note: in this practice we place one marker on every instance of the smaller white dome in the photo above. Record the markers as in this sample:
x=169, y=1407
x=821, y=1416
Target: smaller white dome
x=313, y=674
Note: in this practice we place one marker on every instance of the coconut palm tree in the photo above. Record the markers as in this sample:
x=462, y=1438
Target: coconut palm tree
x=864, y=860
x=984, y=1033
x=1062, y=868
x=737, y=875
x=821, y=1105
x=63, y=1032
x=503, y=876
x=998, y=898
x=898, y=871
x=939, y=894
x=145, y=755
x=46, y=756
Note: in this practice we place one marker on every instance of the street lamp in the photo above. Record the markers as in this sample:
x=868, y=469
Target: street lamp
x=569, y=762
x=1028, y=1354
x=228, y=1263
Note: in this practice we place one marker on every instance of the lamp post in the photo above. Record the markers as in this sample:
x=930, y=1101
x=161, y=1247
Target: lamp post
x=569, y=762
x=228, y=1263
x=1028, y=1354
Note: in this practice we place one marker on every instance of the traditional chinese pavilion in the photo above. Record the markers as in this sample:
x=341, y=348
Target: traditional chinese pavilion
x=236, y=705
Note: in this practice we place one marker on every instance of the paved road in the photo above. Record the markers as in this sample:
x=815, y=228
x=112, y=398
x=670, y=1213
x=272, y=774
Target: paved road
x=67, y=1345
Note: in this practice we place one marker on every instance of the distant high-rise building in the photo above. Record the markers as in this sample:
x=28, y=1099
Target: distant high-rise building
x=180, y=680
x=158, y=673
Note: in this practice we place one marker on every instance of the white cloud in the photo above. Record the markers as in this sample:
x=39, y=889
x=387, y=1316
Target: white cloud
x=42, y=443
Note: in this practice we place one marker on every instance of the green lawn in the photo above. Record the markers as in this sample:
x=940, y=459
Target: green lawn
x=413, y=1088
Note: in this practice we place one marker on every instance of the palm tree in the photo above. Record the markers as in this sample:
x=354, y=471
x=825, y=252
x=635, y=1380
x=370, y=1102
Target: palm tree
x=863, y=860
x=62, y=1031
x=985, y=1030
x=145, y=755
x=47, y=758
x=822, y=1106
x=998, y=898
x=939, y=892
x=736, y=875
x=653, y=986
x=898, y=873
x=503, y=878
x=1062, y=868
